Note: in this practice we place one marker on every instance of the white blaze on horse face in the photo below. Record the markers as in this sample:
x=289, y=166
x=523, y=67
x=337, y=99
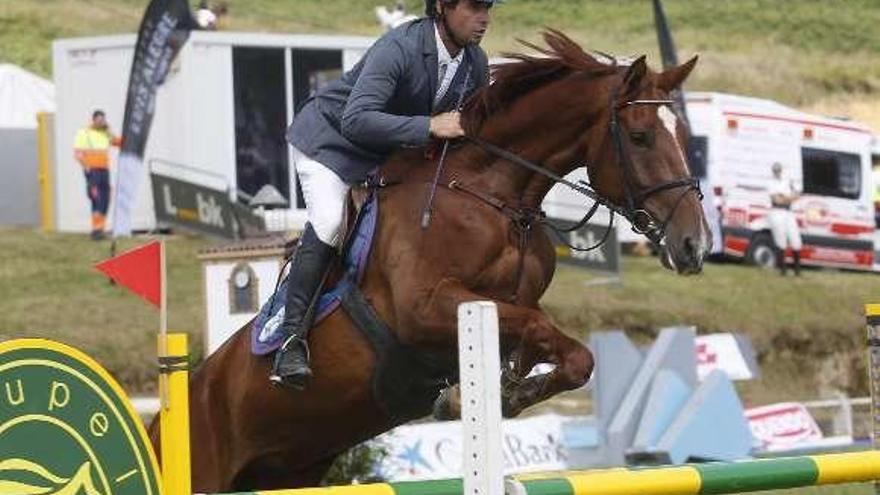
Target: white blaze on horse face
x=670, y=122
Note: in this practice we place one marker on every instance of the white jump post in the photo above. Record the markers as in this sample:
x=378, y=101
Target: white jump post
x=479, y=365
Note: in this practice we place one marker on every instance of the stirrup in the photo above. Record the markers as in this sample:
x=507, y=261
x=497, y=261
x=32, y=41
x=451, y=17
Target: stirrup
x=295, y=338
x=293, y=381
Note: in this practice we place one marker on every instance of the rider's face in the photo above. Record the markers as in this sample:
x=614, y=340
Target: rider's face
x=468, y=20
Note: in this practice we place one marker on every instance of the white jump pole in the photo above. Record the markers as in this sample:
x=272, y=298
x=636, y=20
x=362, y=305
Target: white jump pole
x=479, y=369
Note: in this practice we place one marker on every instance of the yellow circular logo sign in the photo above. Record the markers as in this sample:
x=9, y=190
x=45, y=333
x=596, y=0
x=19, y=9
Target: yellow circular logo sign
x=67, y=427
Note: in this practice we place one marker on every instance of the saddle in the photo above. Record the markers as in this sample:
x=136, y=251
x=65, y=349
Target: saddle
x=347, y=273
x=406, y=381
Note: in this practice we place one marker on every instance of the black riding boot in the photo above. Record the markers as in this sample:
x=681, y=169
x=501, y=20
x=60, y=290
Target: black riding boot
x=780, y=261
x=307, y=270
x=797, y=263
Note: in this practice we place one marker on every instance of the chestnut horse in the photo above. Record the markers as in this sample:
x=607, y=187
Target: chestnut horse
x=542, y=118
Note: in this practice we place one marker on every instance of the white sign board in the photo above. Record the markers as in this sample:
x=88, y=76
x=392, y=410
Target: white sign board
x=434, y=450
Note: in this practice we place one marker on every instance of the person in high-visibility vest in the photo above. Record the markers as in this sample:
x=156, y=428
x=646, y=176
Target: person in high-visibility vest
x=92, y=151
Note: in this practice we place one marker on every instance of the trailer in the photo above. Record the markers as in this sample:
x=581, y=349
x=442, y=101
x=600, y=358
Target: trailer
x=221, y=113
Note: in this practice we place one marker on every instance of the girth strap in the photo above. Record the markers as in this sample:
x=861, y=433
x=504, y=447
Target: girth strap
x=406, y=380
x=374, y=329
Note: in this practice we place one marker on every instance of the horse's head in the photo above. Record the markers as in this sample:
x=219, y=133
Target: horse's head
x=567, y=106
x=642, y=167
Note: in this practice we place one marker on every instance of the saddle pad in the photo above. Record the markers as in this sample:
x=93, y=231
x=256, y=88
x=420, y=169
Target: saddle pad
x=265, y=334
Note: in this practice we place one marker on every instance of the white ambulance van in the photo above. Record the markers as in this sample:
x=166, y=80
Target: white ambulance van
x=736, y=139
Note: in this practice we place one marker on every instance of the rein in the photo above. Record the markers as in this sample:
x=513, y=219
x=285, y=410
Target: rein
x=642, y=221
x=580, y=187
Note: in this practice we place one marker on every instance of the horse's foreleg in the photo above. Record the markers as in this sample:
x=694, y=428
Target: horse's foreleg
x=432, y=320
x=574, y=365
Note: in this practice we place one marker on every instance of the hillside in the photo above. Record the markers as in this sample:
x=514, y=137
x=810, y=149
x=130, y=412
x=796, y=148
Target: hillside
x=822, y=56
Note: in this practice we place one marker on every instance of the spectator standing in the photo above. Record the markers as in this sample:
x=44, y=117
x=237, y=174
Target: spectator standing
x=205, y=17
x=783, y=224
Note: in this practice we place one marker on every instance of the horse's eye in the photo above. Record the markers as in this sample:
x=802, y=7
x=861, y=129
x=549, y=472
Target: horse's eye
x=642, y=139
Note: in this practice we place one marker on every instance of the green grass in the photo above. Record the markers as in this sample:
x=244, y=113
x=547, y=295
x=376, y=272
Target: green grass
x=796, y=51
x=49, y=289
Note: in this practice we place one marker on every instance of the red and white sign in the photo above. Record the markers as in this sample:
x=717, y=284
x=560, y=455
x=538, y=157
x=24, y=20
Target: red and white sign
x=721, y=351
x=783, y=426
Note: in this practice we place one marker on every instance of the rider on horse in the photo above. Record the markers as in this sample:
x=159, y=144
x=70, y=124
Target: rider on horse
x=351, y=126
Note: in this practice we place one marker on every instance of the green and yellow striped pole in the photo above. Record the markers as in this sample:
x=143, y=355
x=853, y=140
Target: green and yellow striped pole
x=696, y=479
x=872, y=315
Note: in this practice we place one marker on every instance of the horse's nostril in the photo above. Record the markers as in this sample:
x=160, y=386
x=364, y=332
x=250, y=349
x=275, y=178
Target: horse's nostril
x=689, y=247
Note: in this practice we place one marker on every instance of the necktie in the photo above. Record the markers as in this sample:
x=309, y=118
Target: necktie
x=441, y=83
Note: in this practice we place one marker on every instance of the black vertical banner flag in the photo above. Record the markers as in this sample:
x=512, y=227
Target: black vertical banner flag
x=664, y=37
x=669, y=57
x=164, y=30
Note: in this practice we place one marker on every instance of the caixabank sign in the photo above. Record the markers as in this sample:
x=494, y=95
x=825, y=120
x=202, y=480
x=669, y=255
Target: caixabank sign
x=201, y=209
x=191, y=206
x=66, y=426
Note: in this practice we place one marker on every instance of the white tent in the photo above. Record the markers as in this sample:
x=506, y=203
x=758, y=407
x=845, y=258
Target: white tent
x=22, y=96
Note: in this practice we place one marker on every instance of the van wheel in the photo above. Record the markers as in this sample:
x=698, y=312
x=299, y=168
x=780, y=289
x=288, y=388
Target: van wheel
x=761, y=251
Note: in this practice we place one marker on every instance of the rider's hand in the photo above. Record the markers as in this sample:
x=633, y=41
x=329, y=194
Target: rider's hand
x=447, y=125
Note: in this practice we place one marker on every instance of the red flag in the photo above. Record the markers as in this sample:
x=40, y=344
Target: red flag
x=138, y=270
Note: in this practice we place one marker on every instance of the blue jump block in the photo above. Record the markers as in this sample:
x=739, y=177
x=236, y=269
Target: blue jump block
x=673, y=350
x=667, y=397
x=711, y=426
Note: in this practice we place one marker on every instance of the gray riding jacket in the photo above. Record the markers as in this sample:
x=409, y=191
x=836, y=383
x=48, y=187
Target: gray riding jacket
x=383, y=103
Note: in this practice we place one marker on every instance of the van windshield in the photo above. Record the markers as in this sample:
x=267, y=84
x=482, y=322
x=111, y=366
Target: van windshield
x=831, y=173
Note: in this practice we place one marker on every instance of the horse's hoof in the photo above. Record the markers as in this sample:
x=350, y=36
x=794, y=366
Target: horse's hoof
x=508, y=408
x=447, y=407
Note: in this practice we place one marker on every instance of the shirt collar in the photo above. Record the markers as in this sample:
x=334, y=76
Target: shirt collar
x=443, y=56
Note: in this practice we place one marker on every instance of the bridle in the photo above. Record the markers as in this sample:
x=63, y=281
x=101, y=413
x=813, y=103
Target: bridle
x=635, y=211
x=641, y=219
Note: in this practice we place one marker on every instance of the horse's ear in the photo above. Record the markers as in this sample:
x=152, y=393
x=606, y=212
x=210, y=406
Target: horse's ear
x=634, y=75
x=672, y=78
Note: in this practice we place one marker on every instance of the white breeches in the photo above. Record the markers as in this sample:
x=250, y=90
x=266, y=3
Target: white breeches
x=326, y=197
x=784, y=227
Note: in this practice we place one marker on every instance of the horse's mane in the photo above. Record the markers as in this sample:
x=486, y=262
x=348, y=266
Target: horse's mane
x=562, y=57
